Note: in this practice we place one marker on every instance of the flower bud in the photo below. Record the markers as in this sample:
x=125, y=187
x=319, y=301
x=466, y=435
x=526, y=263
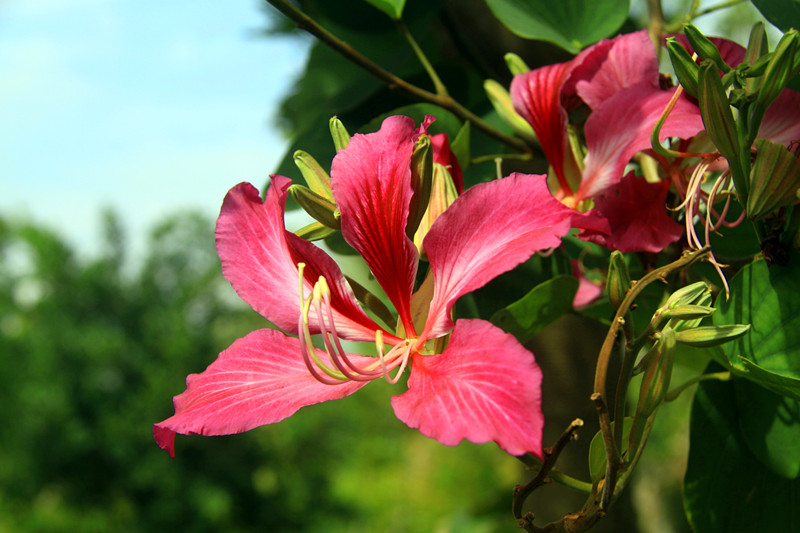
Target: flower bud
x=515, y=64
x=421, y=181
x=706, y=336
x=501, y=101
x=655, y=381
x=316, y=178
x=704, y=48
x=774, y=179
x=757, y=48
x=716, y=112
x=618, y=280
x=443, y=194
x=779, y=70
x=686, y=295
x=319, y=207
x=339, y=133
x=685, y=67
x=314, y=231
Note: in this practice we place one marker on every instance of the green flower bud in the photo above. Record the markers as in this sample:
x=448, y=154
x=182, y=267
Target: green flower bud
x=757, y=48
x=716, y=112
x=315, y=231
x=685, y=67
x=515, y=64
x=339, y=133
x=774, y=179
x=687, y=295
x=656, y=378
x=706, y=336
x=316, y=178
x=421, y=182
x=501, y=101
x=618, y=280
x=704, y=48
x=319, y=207
x=779, y=70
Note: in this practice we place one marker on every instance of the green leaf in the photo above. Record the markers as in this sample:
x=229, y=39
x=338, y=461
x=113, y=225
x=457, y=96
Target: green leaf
x=393, y=8
x=771, y=427
x=543, y=305
x=570, y=24
x=768, y=299
x=784, y=14
x=597, y=450
x=726, y=489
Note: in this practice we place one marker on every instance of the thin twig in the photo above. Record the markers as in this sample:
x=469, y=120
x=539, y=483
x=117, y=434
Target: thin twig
x=395, y=83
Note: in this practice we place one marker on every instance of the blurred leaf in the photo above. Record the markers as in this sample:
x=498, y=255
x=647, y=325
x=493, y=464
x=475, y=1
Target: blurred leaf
x=771, y=427
x=766, y=297
x=726, y=489
x=570, y=24
x=393, y=8
x=542, y=306
x=785, y=14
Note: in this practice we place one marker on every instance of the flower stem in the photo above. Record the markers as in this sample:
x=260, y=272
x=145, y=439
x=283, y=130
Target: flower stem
x=441, y=90
x=674, y=393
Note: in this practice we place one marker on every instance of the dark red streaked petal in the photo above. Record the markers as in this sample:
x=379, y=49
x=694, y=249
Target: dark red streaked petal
x=537, y=97
x=445, y=157
x=484, y=387
x=635, y=210
x=489, y=230
x=371, y=182
x=260, y=379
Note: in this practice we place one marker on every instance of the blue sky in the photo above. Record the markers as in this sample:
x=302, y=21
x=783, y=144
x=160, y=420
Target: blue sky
x=147, y=107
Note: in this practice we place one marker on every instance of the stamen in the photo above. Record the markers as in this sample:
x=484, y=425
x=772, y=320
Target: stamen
x=393, y=357
x=306, y=345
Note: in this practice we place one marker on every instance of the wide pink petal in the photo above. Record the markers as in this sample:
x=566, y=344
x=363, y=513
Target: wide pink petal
x=630, y=60
x=260, y=379
x=622, y=125
x=537, y=97
x=371, y=182
x=259, y=258
x=635, y=209
x=484, y=387
x=489, y=230
x=781, y=122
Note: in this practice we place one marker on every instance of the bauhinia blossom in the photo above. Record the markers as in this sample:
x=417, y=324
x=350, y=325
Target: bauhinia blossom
x=469, y=379
x=619, y=82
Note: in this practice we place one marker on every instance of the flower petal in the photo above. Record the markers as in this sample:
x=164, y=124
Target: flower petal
x=537, y=97
x=489, y=230
x=630, y=60
x=371, y=182
x=259, y=258
x=260, y=379
x=635, y=211
x=781, y=123
x=622, y=125
x=484, y=387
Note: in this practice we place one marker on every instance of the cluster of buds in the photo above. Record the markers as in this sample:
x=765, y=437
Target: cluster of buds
x=766, y=173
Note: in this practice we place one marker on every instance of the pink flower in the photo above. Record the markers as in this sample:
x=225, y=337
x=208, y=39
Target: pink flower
x=618, y=80
x=469, y=380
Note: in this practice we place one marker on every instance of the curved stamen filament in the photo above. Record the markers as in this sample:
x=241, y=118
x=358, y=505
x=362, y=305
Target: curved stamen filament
x=345, y=369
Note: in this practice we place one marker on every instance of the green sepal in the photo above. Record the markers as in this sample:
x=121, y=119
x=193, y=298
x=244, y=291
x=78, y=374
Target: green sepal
x=685, y=67
x=705, y=336
x=704, y=48
x=316, y=177
x=339, y=134
x=774, y=179
x=319, y=207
